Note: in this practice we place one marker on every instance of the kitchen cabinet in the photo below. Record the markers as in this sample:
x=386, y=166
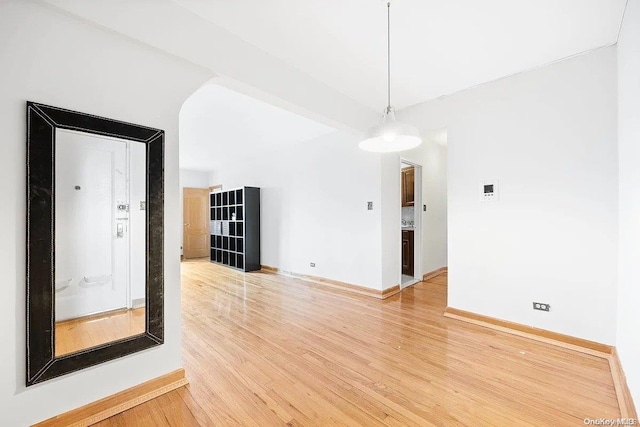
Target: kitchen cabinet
x=407, y=252
x=408, y=186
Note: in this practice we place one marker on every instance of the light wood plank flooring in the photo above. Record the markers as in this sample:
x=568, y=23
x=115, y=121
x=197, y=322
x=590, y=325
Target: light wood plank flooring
x=86, y=332
x=266, y=350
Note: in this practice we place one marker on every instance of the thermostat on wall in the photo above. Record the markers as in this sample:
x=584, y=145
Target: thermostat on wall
x=489, y=191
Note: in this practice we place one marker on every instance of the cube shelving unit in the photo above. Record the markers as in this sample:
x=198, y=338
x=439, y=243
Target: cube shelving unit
x=235, y=228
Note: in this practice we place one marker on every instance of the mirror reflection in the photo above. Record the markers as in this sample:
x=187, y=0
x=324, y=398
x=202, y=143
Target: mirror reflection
x=100, y=221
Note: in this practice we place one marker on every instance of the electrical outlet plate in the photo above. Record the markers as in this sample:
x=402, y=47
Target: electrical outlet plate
x=541, y=306
x=313, y=264
x=370, y=206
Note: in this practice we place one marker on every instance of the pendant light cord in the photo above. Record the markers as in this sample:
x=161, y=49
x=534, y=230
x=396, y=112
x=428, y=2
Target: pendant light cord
x=388, y=54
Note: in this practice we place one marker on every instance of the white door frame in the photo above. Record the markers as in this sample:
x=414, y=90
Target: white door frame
x=417, y=234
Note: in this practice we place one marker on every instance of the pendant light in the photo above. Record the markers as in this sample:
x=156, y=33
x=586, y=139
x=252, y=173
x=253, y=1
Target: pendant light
x=391, y=135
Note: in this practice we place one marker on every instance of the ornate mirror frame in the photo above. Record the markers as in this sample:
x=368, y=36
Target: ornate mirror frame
x=42, y=122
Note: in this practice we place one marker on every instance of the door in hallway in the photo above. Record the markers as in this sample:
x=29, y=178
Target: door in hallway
x=92, y=224
x=196, y=223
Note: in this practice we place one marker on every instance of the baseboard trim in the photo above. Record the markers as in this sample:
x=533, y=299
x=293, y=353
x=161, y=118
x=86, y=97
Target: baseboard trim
x=335, y=284
x=269, y=269
x=390, y=292
x=625, y=401
x=543, y=335
x=117, y=403
x=434, y=273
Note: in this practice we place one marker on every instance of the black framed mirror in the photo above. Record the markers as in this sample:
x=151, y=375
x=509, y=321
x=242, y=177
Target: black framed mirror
x=95, y=219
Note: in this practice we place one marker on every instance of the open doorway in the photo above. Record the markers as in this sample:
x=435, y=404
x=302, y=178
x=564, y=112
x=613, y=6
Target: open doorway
x=411, y=222
x=423, y=214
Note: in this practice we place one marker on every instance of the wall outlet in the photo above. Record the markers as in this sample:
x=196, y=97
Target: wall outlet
x=541, y=306
x=313, y=264
x=369, y=206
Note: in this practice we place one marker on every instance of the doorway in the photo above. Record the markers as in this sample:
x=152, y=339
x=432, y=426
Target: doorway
x=98, y=232
x=411, y=222
x=196, y=223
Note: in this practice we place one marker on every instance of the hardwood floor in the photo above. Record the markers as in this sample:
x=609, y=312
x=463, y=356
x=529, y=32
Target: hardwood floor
x=267, y=350
x=86, y=332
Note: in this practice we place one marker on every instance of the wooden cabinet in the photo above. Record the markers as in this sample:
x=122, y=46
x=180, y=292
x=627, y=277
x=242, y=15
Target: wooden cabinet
x=408, y=186
x=407, y=252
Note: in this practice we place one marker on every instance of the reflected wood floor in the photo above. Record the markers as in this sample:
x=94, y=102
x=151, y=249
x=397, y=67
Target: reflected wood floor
x=86, y=332
x=266, y=350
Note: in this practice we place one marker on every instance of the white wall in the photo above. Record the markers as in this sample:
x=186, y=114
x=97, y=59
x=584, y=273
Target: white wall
x=549, y=137
x=314, y=208
x=193, y=179
x=628, y=338
x=52, y=58
x=190, y=179
x=391, y=255
x=408, y=213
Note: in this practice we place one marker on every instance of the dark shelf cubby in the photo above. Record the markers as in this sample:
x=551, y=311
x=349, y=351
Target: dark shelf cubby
x=235, y=228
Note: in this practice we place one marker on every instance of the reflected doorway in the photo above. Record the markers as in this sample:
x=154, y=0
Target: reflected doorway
x=99, y=240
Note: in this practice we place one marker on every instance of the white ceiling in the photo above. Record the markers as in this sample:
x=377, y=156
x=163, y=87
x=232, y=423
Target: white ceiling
x=438, y=47
x=218, y=126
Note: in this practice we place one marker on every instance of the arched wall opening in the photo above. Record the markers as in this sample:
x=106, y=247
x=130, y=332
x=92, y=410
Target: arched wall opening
x=315, y=181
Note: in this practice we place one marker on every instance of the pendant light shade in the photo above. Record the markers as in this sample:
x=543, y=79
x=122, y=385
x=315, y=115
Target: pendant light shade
x=391, y=135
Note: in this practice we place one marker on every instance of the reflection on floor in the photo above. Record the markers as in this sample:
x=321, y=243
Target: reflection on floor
x=407, y=279
x=85, y=332
x=266, y=350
